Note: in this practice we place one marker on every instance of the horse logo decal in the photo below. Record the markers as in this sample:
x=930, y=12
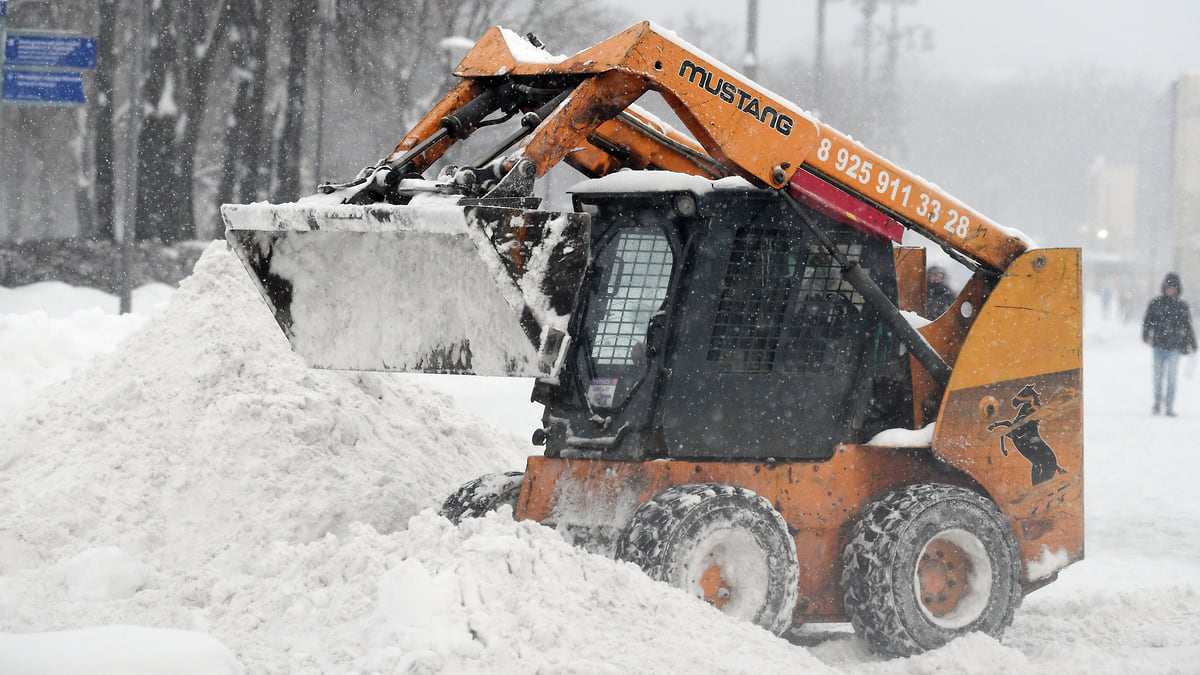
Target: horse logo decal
x=1023, y=431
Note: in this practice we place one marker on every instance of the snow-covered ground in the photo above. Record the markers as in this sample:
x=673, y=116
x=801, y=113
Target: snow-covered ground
x=179, y=493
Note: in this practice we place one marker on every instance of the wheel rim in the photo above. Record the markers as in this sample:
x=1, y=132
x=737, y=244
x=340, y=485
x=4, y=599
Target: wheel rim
x=730, y=572
x=716, y=590
x=953, y=578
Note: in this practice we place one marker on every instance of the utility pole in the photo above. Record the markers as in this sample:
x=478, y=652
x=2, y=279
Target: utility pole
x=750, y=61
x=869, y=7
x=888, y=123
x=819, y=59
x=897, y=37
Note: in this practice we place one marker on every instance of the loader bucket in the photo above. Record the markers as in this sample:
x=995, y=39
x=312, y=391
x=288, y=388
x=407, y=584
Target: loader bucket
x=480, y=290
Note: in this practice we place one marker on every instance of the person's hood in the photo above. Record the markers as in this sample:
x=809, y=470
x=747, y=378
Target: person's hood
x=1172, y=280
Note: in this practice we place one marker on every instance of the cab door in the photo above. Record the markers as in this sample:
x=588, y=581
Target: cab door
x=607, y=397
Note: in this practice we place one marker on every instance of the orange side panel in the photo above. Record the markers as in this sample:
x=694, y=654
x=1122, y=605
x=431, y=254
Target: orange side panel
x=910, y=278
x=946, y=335
x=819, y=500
x=1013, y=412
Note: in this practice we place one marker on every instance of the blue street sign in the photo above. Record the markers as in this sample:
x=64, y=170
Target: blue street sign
x=41, y=86
x=50, y=51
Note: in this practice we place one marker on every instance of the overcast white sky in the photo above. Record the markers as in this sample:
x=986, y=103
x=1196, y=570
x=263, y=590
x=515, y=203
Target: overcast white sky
x=978, y=38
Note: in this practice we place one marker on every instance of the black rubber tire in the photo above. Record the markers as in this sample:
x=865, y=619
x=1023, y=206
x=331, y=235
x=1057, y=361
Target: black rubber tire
x=689, y=529
x=905, y=533
x=483, y=495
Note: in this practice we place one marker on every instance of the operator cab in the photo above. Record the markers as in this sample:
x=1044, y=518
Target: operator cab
x=711, y=324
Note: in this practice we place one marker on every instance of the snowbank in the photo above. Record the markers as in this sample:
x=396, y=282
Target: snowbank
x=201, y=441
x=202, y=478
x=49, y=329
x=233, y=432
x=116, y=650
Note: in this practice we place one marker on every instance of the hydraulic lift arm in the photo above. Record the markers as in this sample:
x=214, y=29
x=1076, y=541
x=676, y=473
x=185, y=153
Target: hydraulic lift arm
x=740, y=128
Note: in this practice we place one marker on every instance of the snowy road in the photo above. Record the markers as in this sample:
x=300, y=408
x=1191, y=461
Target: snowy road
x=197, y=476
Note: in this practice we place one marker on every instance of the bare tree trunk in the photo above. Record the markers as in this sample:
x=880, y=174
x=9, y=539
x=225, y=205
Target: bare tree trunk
x=256, y=155
x=158, y=204
x=242, y=173
x=85, y=182
x=287, y=164
x=177, y=81
x=202, y=41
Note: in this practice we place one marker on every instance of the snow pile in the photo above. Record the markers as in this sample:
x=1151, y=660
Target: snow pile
x=200, y=441
x=98, y=651
x=202, y=478
x=73, y=342
x=233, y=431
x=49, y=329
x=498, y=596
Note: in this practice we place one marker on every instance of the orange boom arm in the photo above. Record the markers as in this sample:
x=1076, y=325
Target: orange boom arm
x=740, y=128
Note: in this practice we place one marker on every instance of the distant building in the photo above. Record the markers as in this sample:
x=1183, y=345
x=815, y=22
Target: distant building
x=1109, y=253
x=1168, y=227
x=1113, y=207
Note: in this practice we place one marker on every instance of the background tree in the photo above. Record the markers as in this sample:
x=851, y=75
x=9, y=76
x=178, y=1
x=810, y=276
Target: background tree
x=392, y=61
x=300, y=21
x=184, y=42
x=242, y=170
x=230, y=101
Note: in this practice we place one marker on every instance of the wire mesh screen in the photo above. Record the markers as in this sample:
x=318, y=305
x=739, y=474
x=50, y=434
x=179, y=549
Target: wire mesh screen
x=753, y=301
x=825, y=304
x=635, y=285
x=822, y=275
x=753, y=332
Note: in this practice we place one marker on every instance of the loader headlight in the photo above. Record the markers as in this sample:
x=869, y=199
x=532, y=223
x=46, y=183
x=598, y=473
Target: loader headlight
x=685, y=205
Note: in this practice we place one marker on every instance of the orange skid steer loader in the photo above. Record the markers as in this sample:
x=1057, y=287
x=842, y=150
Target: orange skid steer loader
x=739, y=396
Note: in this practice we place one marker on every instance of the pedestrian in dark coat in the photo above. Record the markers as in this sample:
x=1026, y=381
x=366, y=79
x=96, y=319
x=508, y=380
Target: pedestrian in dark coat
x=938, y=296
x=1167, y=328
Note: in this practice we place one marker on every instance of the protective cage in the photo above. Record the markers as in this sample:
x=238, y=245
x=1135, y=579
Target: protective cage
x=769, y=351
